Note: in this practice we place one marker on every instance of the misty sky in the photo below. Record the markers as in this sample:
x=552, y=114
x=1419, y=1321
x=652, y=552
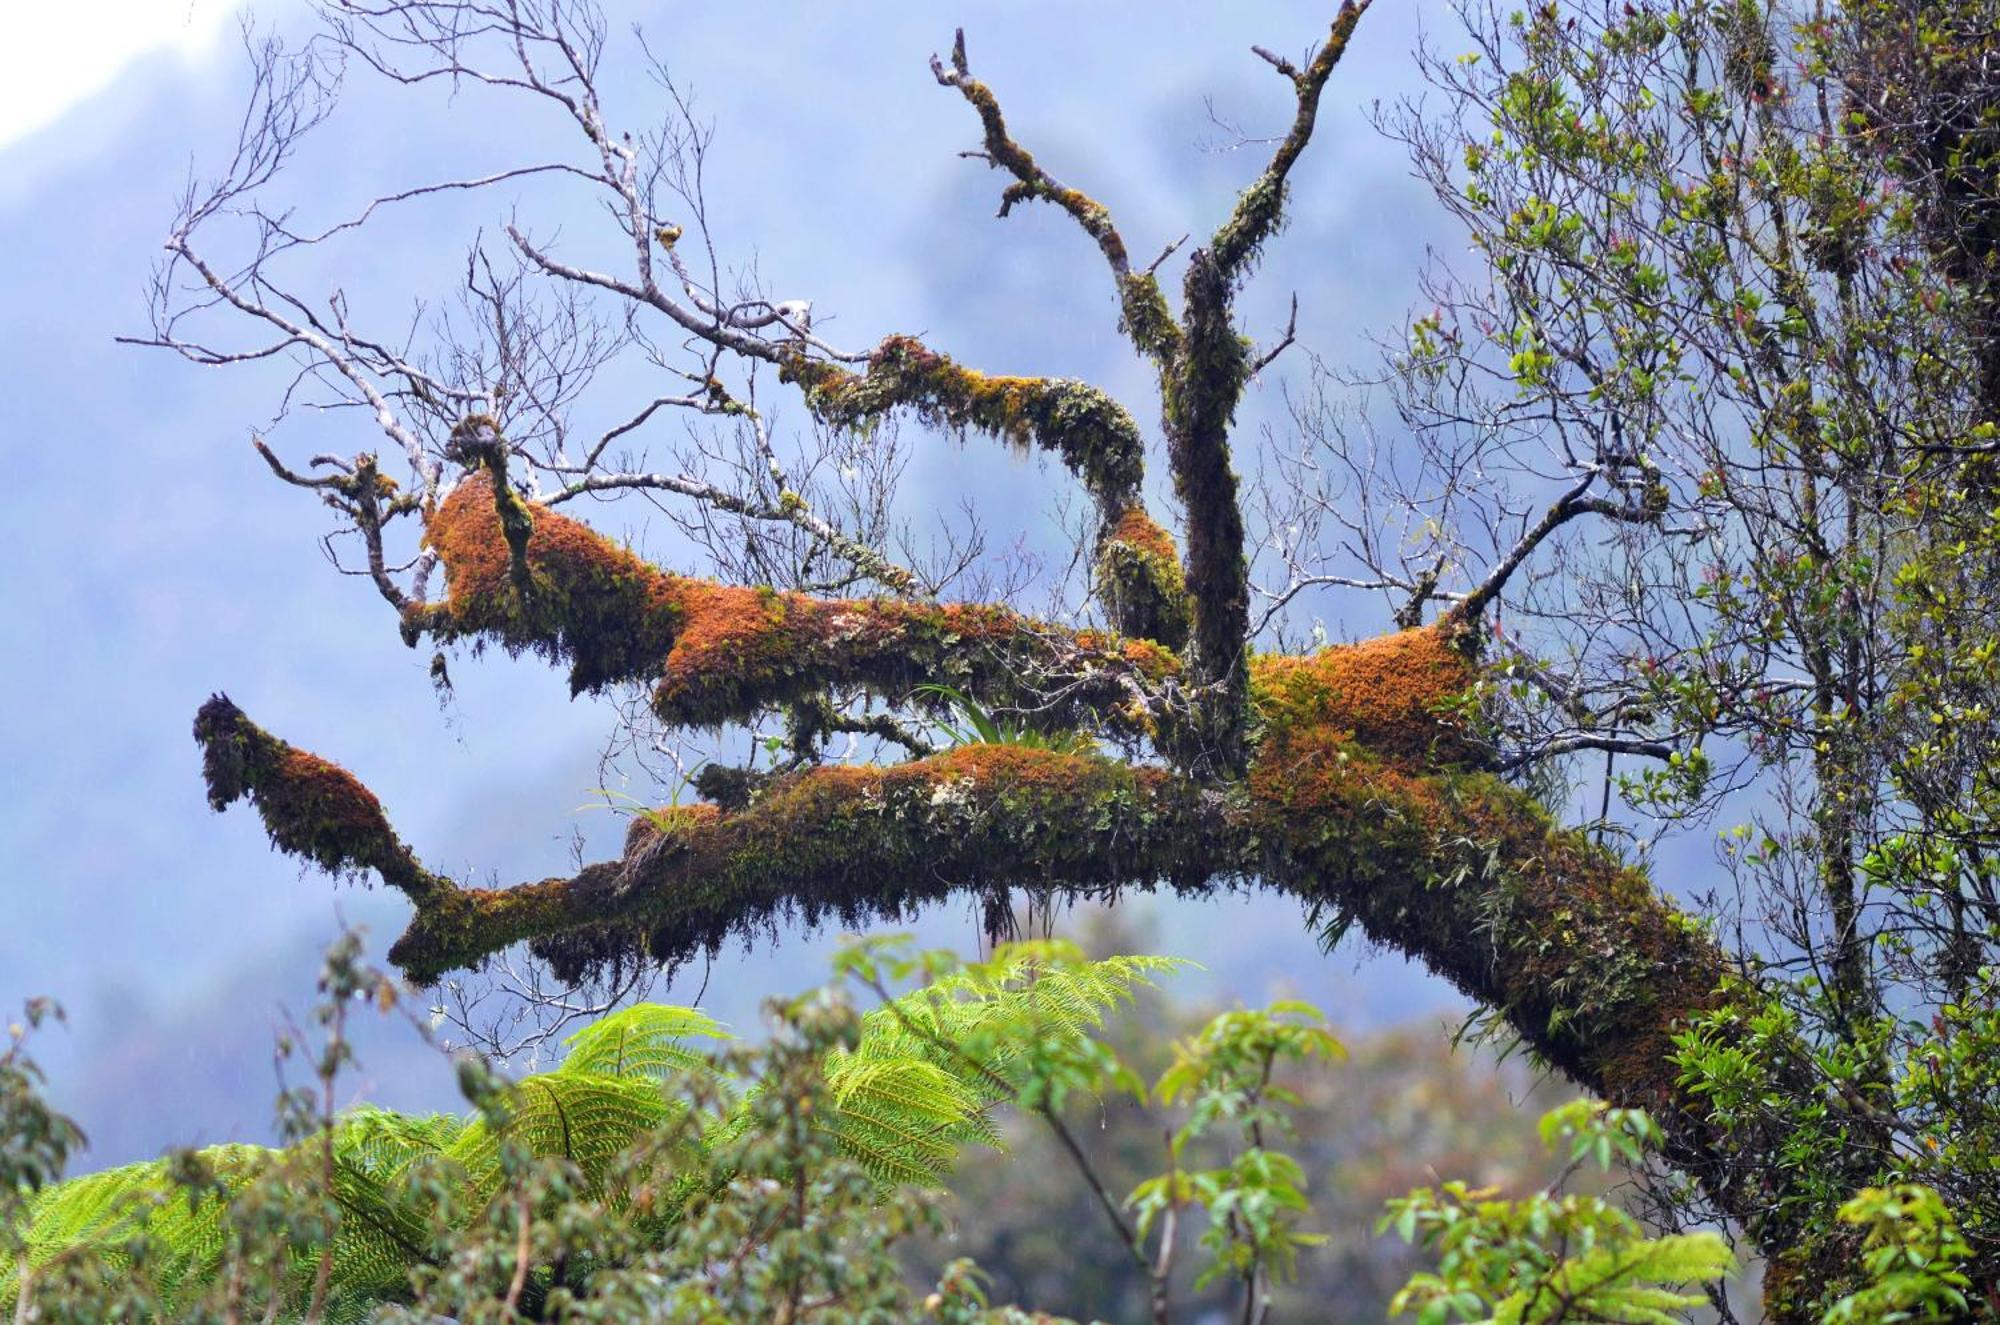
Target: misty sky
x=152, y=560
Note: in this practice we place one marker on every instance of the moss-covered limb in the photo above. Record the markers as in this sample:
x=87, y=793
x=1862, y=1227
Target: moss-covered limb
x=857, y=843
x=723, y=653
x=476, y=442
x=1362, y=798
x=1583, y=958
x=1365, y=796
x=592, y=604
x=313, y=808
x=1092, y=433
x=1030, y=180
x=1344, y=806
x=1143, y=311
x=1140, y=580
x=1397, y=696
x=1203, y=386
x=1145, y=318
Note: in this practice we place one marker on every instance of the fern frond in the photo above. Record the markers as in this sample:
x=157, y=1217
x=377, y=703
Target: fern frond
x=586, y=1119
x=930, y=1066
x=645, y=1040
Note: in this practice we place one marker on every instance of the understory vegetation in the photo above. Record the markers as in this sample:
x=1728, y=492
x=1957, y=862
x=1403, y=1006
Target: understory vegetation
x=665, y=1171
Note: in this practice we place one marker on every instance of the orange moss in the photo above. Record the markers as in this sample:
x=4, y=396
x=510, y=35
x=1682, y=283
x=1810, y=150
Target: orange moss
x=1021, y=767
x=724, y=653
x=1139, y=578
x=1153, y=659
x=465, y=532
x=328, y=793
x=1139, y=530
x=590, y=601
x=1390, y=693
x=311, y=807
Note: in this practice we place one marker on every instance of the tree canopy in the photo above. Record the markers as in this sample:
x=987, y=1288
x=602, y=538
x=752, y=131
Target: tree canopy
x=1686, y=476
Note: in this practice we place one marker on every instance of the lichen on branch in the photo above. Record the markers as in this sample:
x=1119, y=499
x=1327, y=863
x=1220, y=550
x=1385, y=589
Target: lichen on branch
x=1140, y=580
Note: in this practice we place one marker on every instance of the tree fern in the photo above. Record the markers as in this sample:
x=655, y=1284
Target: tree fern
x=918, y=1085
x=605, y=1096
x=646, y=1040
x=931, y=1063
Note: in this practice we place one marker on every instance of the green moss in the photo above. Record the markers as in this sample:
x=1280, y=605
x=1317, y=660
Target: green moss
x=1139, y=576
x=1257, y=213
x=1589, y=965
x=1092, y=433
x=1146, y=318
x=1201, y=389
x=853, y=843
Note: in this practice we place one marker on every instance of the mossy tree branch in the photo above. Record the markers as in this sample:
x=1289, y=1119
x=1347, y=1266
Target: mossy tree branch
x=1146, y=318
x=1139, y=571
x=1361, y=801
x=856, y=843
x=1332, y=777
x=1091, y=433
x=1261, y=207
x=313, y=808
x=1202, y=385
x=717, y=653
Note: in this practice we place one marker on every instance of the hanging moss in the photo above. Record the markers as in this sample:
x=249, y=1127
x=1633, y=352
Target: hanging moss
x=1361, y=796
x=1139, y=575
x=726, y=653
x=855, y=843
x=1092, y=433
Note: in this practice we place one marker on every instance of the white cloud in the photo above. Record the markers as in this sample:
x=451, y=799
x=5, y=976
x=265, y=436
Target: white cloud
x=59, y=53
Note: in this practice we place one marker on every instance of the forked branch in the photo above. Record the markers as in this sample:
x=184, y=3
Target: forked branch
x=1146, y=317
